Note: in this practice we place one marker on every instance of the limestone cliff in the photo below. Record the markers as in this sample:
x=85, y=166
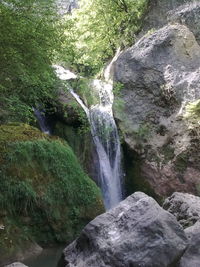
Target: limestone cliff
x=157, y=108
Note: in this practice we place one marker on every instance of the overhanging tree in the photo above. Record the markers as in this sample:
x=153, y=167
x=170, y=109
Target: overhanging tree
x=98, y=28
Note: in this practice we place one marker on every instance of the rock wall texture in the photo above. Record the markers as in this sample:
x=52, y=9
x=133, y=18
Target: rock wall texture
x=160, y=77
x=189, y=15
x=160, y=12
x=185, y=207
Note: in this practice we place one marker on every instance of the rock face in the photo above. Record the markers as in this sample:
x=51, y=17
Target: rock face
x=185, y=207
x=138, y=232
x=160, y=75
x=191, y=257
x=188, y=15
x=160, y=12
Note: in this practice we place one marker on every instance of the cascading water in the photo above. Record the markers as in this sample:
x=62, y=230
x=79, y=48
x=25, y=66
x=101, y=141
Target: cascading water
x=106, y=140
x=42, y=121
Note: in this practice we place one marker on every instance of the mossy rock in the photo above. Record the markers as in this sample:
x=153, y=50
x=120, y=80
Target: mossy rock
x=80, y=142
x=45, y=195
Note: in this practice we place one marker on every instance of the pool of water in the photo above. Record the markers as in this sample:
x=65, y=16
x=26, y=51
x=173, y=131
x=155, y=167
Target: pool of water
x=48, y=258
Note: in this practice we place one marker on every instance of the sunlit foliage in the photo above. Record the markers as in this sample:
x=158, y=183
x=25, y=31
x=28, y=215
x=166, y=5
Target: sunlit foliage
x=95, y=30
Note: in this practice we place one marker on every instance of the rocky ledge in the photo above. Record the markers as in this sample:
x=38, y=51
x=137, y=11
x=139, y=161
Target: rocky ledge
x=138, y=232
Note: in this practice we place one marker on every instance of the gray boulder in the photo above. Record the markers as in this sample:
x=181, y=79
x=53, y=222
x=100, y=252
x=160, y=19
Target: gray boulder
x=185, y=207
x=158, y=13
x=188, y=15
x=160, y=76
x=191, y=257
x=138, y=232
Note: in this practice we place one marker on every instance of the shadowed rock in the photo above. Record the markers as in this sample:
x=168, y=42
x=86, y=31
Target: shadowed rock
x=185, y=207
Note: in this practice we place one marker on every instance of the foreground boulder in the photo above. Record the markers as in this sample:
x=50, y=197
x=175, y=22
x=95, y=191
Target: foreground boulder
x=191, y=257
x=185, y=207
x=138, y=232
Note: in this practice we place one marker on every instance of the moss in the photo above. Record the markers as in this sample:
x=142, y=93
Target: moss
x=168, y=152
x=81, y=143
x=198, y=189
x=83, y=87
x=142, y=134
x=181, y=162
x=41, y=179
x=192, y=116
x=193, y=110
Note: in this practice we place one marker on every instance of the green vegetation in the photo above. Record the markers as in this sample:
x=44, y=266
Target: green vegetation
x=193, y=109
x=142, y=133
x=95, y=31
x=119, y=103
x=167, y=151
x=45, y=196
x=33, y=36
x=79, y=140
x=82, y=87
x=181, y=162
x=44, y=193
x=29, y=37
x=192, y=117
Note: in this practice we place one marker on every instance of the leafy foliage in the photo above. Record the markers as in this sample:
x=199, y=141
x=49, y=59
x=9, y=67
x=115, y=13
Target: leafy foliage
x=29, y=37
x=95, y=30
x=192, y=116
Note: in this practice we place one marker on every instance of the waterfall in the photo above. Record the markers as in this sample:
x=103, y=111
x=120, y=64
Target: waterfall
x=42, y=121
x=105, y=136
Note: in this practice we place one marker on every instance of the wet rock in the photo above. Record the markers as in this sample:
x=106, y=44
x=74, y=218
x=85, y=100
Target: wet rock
x=185, y=207
x=138, y=232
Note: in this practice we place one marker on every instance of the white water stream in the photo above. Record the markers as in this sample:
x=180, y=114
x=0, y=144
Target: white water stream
x=105, y=137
